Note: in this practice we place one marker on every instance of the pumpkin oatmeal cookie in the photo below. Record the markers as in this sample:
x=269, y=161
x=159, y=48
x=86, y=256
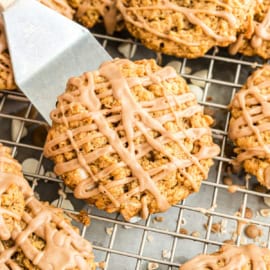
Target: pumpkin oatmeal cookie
x=231, y=257
x=130, y=138
x=185, y=28
x=257, y=42
x=35, y=235
x=250, y=125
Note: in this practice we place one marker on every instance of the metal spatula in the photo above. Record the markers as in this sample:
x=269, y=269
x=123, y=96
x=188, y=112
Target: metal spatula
x=46, y=50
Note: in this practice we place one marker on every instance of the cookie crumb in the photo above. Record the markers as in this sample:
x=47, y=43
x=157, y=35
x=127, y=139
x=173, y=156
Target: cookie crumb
x=109, y=230
x=227, y=181
x=233, y=188
x=166, y=254
x=248, y=212
x=84, y=218
x=215, y=228
x=127, y=227
x=159, y=219
x=183, y=221
x=252, y=231
x=183, y=231
x=152, y=266
x=229, y=242
x=101, y=265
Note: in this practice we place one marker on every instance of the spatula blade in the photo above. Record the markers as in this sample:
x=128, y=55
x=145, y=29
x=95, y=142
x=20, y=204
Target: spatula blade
x=46, y=50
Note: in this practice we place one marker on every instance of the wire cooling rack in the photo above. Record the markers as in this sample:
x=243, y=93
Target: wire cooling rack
x=165, y=240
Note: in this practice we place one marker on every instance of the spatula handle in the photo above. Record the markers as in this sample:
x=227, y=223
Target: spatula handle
x=4, y=4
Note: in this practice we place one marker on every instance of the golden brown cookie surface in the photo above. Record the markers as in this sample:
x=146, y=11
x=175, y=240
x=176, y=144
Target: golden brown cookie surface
x=90, y=12
x=130, y=138
x=250, y=125
x=6, y=72
x=258, y=40
x=230, y=257
x=35, y=235
x=185, y=28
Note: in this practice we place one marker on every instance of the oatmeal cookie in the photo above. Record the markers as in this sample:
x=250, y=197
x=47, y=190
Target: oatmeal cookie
x=60, y=6
x=130, y=138
x=250, y=125
x=90, y=12
x=35, y=235
x=185, y=28
x=246, y=257
x=257, y=42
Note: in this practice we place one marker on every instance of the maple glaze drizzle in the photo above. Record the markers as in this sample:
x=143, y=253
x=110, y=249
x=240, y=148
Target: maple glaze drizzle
x=131, y=114
x=234, y=258
x=106, y=8
x=190, y=15
x=260, y=34
x=254, y=119
x=64, y=248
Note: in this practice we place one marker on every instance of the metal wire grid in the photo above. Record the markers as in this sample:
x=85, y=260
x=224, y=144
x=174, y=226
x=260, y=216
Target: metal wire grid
x=124, y=245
